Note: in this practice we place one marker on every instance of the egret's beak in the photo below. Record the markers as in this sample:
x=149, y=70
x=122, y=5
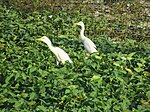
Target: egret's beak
x=75, y=24
x=40, y=39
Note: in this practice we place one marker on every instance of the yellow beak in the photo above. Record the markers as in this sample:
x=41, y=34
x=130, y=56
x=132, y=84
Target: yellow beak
x=40, y=39
x=74, y=24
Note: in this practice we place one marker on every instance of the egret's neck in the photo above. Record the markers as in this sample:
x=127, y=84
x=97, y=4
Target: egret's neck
x=51, y=47
x=82, y=32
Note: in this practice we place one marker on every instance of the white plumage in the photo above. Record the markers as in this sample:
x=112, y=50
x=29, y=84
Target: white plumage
x=60, y=54
x=89, y=46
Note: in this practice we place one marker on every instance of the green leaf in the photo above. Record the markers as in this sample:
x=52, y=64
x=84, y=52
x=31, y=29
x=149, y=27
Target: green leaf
x=41, y=108
x=67, y=91
x=62, y=36
x=19, y=103
x=116, y=64
x=93, y=94
x=129, y=57
x=33, y=95
x=32, y=69
x=24, y=95
x=24, y=76
x=148, y=94
x=17, y=76
x=9, y=78
x=139, y=69
x=95, y=77
x=73, y=86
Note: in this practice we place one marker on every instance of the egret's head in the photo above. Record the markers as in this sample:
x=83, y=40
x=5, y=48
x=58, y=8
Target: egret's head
x=44, y=39
x=79, y=23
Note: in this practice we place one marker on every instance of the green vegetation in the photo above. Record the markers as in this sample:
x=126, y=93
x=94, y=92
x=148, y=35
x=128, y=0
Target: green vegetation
x=116, y=80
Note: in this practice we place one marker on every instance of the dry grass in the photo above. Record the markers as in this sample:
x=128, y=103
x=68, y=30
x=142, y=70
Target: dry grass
x=54, y=5
x=124, y=17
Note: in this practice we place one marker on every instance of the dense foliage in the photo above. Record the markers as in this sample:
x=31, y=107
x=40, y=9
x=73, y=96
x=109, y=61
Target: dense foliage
x=115, y=80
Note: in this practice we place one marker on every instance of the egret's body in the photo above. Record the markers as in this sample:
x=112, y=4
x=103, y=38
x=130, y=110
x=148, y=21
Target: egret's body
x=89, y=46
x=60, y=54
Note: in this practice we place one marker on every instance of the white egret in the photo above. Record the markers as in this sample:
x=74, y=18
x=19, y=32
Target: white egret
x=89, y=46
x=61, y=55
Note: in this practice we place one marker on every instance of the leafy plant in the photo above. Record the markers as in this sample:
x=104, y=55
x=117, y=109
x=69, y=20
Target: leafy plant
x=116, y=79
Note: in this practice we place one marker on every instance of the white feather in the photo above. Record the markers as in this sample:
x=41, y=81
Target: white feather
x=89, y=46
x=61, y=55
